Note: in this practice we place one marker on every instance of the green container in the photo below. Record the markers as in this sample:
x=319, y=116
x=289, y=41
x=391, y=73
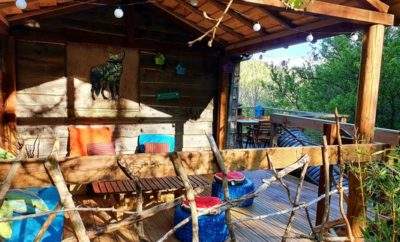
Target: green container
x=164, y=96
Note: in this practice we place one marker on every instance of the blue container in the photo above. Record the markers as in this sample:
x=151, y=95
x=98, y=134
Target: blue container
x=212, y=227
x=259, y=111
x=27, y=229
x=235, y=191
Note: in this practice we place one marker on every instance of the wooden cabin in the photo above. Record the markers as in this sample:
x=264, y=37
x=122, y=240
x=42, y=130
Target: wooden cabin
x=51, y=50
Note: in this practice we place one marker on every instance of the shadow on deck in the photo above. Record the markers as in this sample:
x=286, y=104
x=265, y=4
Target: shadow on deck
x=271, y=229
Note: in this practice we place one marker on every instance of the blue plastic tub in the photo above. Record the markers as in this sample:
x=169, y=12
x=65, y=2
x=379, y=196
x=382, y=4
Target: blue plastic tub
x=212, y=228
x=26, y=230
x=235, y=191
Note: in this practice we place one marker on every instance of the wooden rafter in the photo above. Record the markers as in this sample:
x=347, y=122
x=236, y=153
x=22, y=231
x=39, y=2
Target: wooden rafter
x=378, y=5
x=283, y=22
x=3, y=25
x=222, y=26
x=334, y=10
x=253, y=44
x=184, y=20
x=52, y=11
x=248, y=22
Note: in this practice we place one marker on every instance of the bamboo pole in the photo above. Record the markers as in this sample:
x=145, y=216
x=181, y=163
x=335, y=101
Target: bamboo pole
x=46, y=224
x=190, y=195
x=340, y=185
x=222, y=168
x=325, y=215
x=139, y=207
x=65, y=196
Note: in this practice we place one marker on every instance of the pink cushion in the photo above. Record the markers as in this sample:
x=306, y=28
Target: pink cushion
x=156, y=148
x=203, y=202
x=100, y=149
x=232, y=176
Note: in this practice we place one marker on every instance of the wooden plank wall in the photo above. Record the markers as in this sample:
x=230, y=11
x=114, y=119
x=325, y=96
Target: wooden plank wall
x=53, y=91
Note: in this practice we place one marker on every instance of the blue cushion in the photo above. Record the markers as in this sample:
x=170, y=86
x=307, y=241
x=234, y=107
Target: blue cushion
x=156, y=138
x=26, y=230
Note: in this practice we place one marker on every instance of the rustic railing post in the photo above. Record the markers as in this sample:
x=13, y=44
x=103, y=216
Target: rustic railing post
x=8, y=98
x=331, y=136
x=368, y=87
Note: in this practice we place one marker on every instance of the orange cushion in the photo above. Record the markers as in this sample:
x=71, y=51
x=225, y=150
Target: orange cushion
x=79, y=138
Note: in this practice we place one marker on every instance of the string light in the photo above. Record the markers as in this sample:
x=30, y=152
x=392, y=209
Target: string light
x=194, y=2
x=21, y=4
x=310, y=38
x=257, y=26
x=118, y=13
x=354, y=37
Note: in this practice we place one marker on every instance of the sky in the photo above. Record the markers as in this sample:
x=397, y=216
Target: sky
x=295, y=54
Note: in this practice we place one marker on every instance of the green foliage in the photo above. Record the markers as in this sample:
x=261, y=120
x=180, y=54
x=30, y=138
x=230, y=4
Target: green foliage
x=254, y=76
x=296, y=4
x=327, y=81
x=381, y=189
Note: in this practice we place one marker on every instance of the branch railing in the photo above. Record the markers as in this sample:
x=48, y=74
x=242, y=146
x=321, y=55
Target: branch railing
x=67, y=170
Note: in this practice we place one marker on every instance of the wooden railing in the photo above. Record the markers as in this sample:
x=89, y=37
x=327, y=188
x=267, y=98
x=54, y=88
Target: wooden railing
x=387, y=136
x=87, y=169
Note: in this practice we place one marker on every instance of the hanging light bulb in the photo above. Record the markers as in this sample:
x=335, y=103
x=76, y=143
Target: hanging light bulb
x=310, y=38
x=21, y=4
x=194, y=2
x=118, y=13
x=257, y=26
x=354, y=37
x=261, y=56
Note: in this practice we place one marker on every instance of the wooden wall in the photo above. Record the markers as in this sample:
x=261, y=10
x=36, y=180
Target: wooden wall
x=53, y=91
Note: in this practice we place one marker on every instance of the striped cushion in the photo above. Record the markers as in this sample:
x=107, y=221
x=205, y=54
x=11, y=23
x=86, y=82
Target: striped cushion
x=156, y=148
x=100, y=149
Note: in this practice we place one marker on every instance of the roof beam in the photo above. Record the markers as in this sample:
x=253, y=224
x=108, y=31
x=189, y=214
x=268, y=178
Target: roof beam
x=4, y=25
x=52, y=11
x=222, y=26
x=378, y=5
x=346, y=13
x=248, y=22
x=184, y=20
x=260, y=43
x=280, y=20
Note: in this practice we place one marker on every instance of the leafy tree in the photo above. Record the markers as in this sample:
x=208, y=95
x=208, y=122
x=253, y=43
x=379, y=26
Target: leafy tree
x=330, y=79
x=254, y=76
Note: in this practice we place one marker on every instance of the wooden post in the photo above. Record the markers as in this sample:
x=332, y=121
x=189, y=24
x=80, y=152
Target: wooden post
x=368, y=87
x=8, y=93
x=331, y=136
x=223, y=102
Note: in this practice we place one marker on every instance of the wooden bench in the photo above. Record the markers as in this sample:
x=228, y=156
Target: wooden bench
x=152, y=184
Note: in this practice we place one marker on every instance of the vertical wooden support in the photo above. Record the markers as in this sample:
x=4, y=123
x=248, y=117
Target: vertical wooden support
x=190, y=195
x=330, y=131
x=368, y=87
x=222, y=168
x=53, y=168
x=8, y=93
x=223, y=102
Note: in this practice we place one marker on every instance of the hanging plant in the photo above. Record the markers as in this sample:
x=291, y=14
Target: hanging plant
x=296, y=4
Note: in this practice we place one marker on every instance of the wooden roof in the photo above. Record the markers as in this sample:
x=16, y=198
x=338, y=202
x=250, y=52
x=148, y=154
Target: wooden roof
x=280, y=26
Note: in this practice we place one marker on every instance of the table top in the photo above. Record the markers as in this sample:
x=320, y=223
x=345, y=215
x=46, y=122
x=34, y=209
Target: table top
x=248, y=121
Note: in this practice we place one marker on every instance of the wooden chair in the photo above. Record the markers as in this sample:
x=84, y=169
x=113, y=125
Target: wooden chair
x=260, y=135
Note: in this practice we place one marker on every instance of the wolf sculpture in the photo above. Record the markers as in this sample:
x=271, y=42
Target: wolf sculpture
x=107, y=76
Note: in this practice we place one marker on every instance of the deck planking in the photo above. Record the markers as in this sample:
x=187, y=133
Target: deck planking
x=272, y=200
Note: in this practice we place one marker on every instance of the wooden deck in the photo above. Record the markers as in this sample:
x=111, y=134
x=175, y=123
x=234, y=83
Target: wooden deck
x=271, y=229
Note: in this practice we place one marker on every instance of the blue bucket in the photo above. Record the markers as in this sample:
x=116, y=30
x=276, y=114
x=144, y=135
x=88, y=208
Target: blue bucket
x=235, y=191
x=212, y=227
